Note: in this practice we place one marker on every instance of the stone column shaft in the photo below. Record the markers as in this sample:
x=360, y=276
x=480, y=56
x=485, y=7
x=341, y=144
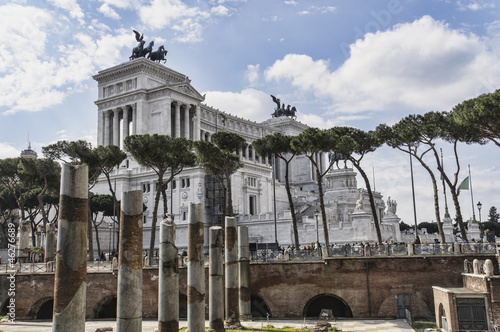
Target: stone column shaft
x=231, y=268
x=197, y=128
x=216, y=281
x=70, y=281
x=49, y=242
x=195, y=270
x=169, y=120
x=244, y=274
x=177, y=120
x=116, y=127
x=24, y=241
x=186, y=122
x=129, y=299
x=168, y=292
x=125, y=123
x=107, y=128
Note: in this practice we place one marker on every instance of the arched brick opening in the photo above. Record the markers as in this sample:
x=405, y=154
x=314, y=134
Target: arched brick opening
x=3, y=308
x=105, y=308
x=42, y=309
x=339, y=307
x=259, y=307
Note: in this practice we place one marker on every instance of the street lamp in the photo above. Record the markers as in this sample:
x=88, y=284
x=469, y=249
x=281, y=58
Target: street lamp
x=479, y=206
x=110, y=225
x=316, y=214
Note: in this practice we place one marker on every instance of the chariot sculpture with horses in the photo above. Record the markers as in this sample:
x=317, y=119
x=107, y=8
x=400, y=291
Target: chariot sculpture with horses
x=282, y=111
x=158, y=55
x=140, y=51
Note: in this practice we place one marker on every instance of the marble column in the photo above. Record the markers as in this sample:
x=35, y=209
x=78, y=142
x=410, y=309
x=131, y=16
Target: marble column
x=216, y=281
x=177, y=130
x=134, y=119
x=168, y=289
x=195, y=269
x=168, y=120
x=197, y=128
x=187, y=110
x=70, y=280
x=50, y=231
x=116, y=126
x=107, y=128
x=231, y=268
x=125, y=123
x=244, y=274
x=24, y=241
x=129, y=299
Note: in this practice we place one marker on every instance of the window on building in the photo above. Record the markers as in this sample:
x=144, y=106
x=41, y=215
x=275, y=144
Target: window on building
x=146, y=187
x=252, y=205
x=185, y=183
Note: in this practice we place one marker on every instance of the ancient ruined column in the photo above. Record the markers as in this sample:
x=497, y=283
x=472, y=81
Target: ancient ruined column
x=231, y=260
x=244, y=274
x=168, y=292
x=129, y=299
x=70, y=281
x=216, y=281
x=24, y=241
x=50, y=230
x=195, y=270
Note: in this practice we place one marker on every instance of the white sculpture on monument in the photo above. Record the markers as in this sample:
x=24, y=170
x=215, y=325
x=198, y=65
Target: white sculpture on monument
x=391, y=206
x=359, y=203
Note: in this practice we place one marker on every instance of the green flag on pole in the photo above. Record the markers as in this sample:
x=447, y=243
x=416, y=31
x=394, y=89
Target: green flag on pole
x=464, y=185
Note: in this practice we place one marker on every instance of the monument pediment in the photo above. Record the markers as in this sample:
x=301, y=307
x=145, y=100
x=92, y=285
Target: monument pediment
x=188, y=89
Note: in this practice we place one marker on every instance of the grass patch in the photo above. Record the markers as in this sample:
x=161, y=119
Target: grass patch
x=421, y=325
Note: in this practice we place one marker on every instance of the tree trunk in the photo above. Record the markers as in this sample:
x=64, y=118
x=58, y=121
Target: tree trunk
x=292, y=208
x=372, y=200
x=155, y=215
x=319, y=179
x=436, y=197
x=89, y=233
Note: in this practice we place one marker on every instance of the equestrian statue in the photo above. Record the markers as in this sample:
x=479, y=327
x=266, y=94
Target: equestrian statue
x=140, y=51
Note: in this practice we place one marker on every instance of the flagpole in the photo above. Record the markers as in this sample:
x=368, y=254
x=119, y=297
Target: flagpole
x=471, y=197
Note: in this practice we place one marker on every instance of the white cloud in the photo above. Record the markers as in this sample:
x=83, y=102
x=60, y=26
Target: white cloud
x=423, y=65
x=72, y=6
x=253, y=74
x=474, y=5
x=250, y=104
x=220, y=11
x=106, y=10
x=8, y=151
x=57, y=66
x=122, y=4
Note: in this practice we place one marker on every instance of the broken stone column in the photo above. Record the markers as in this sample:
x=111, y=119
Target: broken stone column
x=50, y=230
x=168, y=289
x=216, y=281
x=231, y=268
x=195, y=270
x=129, y=299
x=70, y=281
x=244, y=274
x=24, y=241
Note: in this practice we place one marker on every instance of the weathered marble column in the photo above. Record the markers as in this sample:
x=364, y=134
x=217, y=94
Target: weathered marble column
x=70, y=281
x=24, y=241
x=231, y=268
x=50, y=231
x=244, y=274
x=177, y=120
x=195, y=270
x=116, y=126
x=129, y=299
x=216, y=281
x=168, y=292
x=107, y=127
x=186, y=121
x=197, y=127
x=125, y=123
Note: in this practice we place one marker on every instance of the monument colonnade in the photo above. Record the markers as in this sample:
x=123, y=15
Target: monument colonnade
x=120, y=122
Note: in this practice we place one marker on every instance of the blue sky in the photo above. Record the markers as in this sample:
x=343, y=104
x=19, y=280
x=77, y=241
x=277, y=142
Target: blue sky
x=340, y=62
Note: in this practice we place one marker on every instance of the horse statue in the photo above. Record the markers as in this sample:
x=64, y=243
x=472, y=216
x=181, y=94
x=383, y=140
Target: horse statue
x=147, y=50
x=158, y=55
